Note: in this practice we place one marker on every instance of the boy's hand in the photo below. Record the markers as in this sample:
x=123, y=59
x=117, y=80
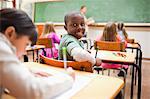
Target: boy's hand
x=71, y=72
x=98, y=62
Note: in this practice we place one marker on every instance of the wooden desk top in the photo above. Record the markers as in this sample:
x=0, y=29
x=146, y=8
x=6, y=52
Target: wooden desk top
x=100, y=87
x=35, y=47
x=114, y=56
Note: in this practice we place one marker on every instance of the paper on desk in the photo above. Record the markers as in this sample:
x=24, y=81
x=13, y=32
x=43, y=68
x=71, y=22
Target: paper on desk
x=80, y=82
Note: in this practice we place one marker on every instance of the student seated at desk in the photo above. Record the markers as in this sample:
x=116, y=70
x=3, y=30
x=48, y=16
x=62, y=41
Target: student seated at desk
x=49, y=32
x=75, y=26
x=16, y=31
x=110, y=34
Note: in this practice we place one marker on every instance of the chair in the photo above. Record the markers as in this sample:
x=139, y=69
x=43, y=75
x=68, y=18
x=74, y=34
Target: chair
x=83, y=66
x=48, y=44
x=110, y=46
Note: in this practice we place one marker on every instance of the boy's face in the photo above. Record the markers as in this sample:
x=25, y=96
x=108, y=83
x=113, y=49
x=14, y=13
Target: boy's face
x=75, y=26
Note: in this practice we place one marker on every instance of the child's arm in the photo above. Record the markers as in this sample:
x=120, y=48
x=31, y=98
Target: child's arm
x=78, y=53
x=23, y=84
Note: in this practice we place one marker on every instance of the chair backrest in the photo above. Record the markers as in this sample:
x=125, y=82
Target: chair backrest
x=111, y=46
x=45, y=41
x=84, y=66
x=130, y=40
x=48, y=44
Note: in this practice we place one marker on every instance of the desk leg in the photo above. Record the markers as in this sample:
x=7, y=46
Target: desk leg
x=25, y=58
x=33, y=55
x=137, y=62
x=137, y=55
x=139, y=81
x=132, y=80
x=37, y=57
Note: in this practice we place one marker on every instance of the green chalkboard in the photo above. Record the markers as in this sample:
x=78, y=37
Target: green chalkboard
x=132, y=11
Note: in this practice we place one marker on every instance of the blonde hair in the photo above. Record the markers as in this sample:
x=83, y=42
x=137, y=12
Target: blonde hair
x=48, y=28
x=109, y=32
x=121, y=27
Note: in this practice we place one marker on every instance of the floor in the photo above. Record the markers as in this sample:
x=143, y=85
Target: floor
x=145, y=82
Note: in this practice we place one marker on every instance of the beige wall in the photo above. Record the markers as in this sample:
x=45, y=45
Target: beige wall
x=140, y=34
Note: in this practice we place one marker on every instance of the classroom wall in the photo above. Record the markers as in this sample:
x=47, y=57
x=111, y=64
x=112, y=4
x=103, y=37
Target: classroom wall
x=140, y=34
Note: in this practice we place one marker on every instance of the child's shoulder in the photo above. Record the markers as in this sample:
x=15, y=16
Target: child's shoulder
x=68, y=38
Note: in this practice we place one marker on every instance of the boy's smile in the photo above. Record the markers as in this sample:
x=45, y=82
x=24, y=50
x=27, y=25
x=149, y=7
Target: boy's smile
x=75, y=25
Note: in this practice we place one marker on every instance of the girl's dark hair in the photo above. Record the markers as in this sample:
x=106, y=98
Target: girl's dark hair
x=19, y=20
x=120, y=25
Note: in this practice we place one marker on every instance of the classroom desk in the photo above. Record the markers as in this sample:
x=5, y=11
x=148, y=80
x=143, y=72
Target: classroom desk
x=132, y=45
x=100, y=87
x=137, y=47
x=127, y=59
x=35, y=48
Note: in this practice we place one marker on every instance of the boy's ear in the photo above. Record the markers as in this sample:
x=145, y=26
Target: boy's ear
x=10, y=33
x=65, y=27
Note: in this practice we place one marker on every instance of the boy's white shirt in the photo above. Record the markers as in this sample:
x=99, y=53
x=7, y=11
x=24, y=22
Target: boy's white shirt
x=22, y=83
x=80, y=55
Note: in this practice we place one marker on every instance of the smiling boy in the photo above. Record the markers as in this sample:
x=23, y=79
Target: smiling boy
x=75, y=26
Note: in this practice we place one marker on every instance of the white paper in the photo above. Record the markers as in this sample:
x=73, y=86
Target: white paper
x=80, y=82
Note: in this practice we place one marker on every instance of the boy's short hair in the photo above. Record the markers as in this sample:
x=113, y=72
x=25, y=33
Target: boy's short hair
x=19, y=20
x=68, y=15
